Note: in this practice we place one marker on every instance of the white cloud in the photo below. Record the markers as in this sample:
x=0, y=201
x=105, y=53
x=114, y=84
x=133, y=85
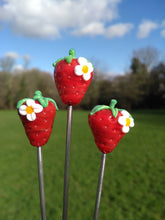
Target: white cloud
x=26, y=57
x=12, y=55
x=48, y=18
x=16, y=56
x=145, y=28
x=118, y=30
x=18, y=68
x=163, y=23
x=163, y=33
x=95, y=28
x=18, y=59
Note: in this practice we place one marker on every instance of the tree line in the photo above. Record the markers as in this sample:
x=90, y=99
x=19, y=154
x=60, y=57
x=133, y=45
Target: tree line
x=143, y=86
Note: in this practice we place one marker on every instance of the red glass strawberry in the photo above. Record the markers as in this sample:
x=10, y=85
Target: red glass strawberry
x=37, y=116
x=72, y=77
x=109, y=125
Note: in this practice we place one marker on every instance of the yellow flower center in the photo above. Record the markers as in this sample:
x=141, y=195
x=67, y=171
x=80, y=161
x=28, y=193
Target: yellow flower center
x=85, y=69
x=29, y=110
x=128, y=121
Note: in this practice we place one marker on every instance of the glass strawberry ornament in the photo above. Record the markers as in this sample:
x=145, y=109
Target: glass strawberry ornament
x=109, y=125
x=72, y=77
x=37, y=116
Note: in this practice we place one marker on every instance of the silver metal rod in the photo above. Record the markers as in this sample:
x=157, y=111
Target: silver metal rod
x=100, y=186
x=41, y=183
x=67, y=163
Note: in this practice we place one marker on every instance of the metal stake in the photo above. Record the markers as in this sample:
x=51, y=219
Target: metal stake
x=100, y=186
x=67, y=163
x=41, y=183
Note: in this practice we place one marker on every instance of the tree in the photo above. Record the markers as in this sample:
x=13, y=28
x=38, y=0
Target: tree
x=5, y=91
x=139, y=80
x=7, y=63
x=148, y=56
x=26, y=59
x=105, y=92
x=156, y=97
x=137, y=67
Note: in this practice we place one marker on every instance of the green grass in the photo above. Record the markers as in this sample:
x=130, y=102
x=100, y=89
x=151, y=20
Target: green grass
x=134, y=180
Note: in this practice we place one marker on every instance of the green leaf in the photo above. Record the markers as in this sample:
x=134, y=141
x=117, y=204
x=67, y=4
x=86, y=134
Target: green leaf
x=98, y=108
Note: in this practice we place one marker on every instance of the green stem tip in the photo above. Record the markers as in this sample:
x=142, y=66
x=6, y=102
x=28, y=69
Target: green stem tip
x=112, y=107
x=72, y=55
x=72, y=52
x=113, y=103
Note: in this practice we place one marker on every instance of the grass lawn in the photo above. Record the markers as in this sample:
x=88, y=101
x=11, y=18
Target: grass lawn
x=134, y=180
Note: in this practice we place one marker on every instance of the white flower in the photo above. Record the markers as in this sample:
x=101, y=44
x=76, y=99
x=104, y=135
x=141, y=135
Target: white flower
x=84, y=69
x=126, y=121
x=30, y=109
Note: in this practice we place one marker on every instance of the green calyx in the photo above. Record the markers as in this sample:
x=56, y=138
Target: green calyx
x=68, y=58
x=111, y=107
x=38, y=97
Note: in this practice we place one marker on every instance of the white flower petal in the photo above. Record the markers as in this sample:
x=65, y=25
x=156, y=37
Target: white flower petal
x=82, y=61
x=125, y=129
x=125, y=114
x=132, y=124
x=37, y=108
x=122, y=120
x=78, y=70
x=90, y=67
x=30, y=102
x=31, y=117
x=23, y=107
x=22, y=110
x=87, y=76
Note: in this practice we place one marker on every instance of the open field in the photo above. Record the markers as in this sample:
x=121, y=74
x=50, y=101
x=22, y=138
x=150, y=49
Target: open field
x=134, y=181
